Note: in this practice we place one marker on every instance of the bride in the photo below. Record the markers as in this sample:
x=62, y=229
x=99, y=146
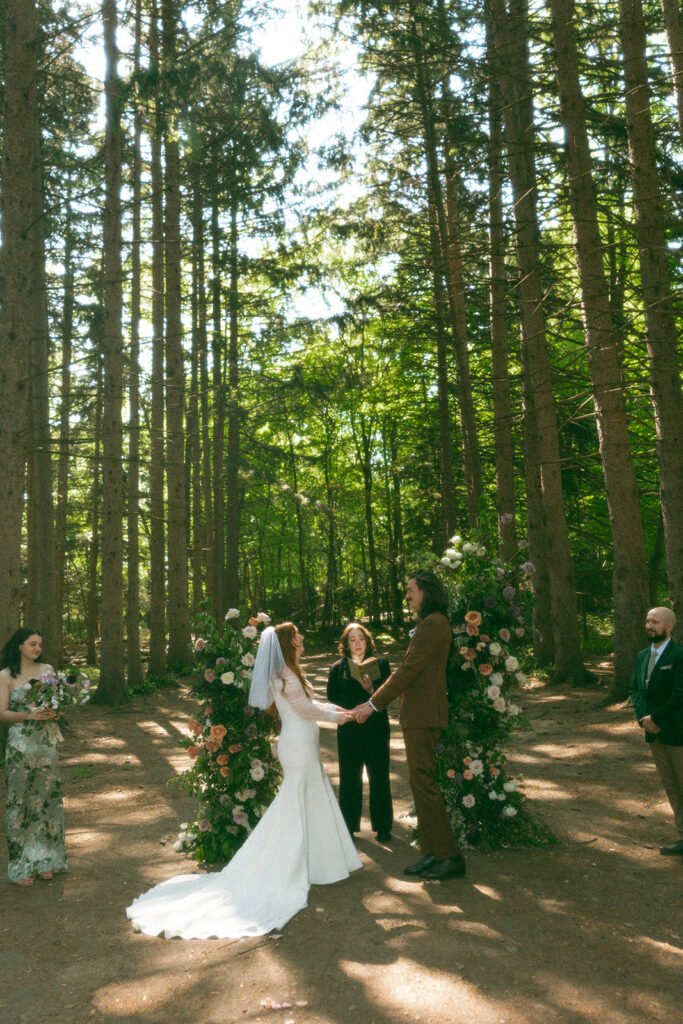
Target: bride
x=301, y=840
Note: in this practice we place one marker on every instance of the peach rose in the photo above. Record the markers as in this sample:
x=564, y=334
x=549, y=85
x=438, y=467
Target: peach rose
x=485, y=637
x=474, y=618
x=253, y=621
x=467, y=774
x=193, y=751
x=468, y=653
x=451, y=773
x=235, y=748
x=472, y=629
x=467, y=760
x=212, y=744
x=218, y=732
x=222, y=758
x=224, y=771
x=486, y=670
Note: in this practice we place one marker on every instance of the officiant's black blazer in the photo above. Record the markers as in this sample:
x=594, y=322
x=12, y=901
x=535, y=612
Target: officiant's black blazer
x=662, y=697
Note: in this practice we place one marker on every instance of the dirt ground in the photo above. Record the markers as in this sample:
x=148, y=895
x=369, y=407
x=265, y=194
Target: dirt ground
x=586, y=931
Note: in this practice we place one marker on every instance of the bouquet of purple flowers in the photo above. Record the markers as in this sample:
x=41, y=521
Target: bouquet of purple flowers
x=57, y=691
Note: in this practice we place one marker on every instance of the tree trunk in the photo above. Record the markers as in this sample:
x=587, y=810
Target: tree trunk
x=232, y=462
x=176, y=583
x=219, y=600
x=94, y=549
x=665, y=381
x=16, y=281
x=301, y=546
x=111, y=688
x=198, y=346
x=64, y=430
x=156, y=665
x=673, y=20
x=629, y=577
x=502, y=412
x=133, y=479
x=510, y=37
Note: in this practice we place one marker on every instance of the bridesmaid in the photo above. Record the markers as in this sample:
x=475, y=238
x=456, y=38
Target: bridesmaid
x=358, y=746
x=34, y=821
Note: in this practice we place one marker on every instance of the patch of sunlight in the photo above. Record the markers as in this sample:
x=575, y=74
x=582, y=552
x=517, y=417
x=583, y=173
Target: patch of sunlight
x=486, y=890
x=153, y=727
x=588, y=1003
x=664, y=950
x=399, y=988
x=476, y=928
x=549, y=790
x=553, y=906
x=106, y=741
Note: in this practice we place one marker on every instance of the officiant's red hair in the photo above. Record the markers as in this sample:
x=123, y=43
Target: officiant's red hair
x=344, y=640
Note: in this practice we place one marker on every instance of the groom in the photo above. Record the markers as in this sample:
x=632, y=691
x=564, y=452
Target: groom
x=421, y=683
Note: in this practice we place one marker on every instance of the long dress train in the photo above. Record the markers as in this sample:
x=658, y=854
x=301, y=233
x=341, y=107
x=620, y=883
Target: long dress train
x=301, y=840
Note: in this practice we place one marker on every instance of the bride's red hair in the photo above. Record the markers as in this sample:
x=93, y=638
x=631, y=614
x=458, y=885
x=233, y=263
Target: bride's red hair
x=285, y=634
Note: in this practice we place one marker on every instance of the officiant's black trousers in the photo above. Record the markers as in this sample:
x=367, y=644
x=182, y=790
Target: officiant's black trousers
x=366, y=746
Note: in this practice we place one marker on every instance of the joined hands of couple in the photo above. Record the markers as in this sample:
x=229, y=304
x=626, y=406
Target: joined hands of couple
x=361, y=712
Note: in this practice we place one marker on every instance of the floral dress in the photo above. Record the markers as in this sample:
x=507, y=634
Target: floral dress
x=34, y=822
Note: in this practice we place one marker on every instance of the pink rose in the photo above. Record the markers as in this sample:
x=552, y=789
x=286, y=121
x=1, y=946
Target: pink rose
x=209, y=675
x=504, y=635
x=199, y=644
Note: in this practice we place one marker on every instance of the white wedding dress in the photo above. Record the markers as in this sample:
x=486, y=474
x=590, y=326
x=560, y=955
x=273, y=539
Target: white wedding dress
x=301, y=840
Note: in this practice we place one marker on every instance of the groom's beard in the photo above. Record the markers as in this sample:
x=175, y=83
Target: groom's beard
x=655, y=638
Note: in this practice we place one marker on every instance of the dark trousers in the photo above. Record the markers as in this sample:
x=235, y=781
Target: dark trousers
x=366, y=746
x=433, y=825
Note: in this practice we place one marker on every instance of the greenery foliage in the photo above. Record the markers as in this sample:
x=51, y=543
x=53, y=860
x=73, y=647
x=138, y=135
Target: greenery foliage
x=489, y=605
x=234, y=774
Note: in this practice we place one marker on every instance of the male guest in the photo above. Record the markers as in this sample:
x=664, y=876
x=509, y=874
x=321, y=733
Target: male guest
x=657, y=695
x=421, y=683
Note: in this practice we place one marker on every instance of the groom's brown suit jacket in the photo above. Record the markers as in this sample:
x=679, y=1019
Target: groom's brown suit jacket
x=421, y=680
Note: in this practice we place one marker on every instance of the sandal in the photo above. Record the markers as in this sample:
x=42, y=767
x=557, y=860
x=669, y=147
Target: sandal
x=46, y=875
x=24, y=882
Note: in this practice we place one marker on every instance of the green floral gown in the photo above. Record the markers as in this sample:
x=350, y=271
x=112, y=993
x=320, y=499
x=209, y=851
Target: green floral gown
x=35, y=818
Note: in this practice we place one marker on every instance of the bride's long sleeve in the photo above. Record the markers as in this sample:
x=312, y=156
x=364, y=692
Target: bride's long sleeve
x=293, y=692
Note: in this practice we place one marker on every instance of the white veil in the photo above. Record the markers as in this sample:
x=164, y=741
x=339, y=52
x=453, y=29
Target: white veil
x=269, y=665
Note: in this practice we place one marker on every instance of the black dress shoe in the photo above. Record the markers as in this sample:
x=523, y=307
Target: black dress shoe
x=422, y=865
x=384, y=837
x=452, y=867
x=669, y=851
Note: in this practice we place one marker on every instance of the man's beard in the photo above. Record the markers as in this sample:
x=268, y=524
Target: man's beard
x=655, y=638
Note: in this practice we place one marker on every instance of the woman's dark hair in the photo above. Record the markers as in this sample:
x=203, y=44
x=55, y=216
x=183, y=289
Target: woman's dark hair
x=344, y=640
x=10, y=656
x=435, y=594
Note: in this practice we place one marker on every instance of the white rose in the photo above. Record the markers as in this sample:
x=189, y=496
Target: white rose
x=227, y=678
x=468, y=800
x=509, y=812
x=501, y=796
x=492, y=692
x=456, y=539
x=521, y=678
x=232, y=613
x=178, y=846
x=493, y=795
x=514, y=709
x=511, y=664
x=476, y=767
x=495, y=648
x=263, y=617
x=257, y=774
x=496, y=678
x=499, y=704
x=467, y=548
x=447, y=562
x=250, y=632
x=451, y=553
x=248, y=660
x=510, y=786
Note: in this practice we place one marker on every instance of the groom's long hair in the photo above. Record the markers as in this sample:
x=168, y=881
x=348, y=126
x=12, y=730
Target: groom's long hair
x=435, y=594
x=285, y=633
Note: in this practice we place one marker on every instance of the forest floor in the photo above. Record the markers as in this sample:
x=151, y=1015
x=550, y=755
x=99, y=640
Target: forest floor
x=585, y=932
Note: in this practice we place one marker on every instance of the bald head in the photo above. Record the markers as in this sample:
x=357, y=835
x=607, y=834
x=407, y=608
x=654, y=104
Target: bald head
x=659, y=624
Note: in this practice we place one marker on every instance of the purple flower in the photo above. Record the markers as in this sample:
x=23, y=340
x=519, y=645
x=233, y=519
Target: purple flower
x=516, y=611
x=489, y=601
x=529, y=568
x=508, y=592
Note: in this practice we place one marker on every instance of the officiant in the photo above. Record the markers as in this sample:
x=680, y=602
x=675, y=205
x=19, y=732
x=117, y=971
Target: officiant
x=353, y=679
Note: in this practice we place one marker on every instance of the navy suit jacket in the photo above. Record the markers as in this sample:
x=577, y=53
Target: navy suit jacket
x=662, y=698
